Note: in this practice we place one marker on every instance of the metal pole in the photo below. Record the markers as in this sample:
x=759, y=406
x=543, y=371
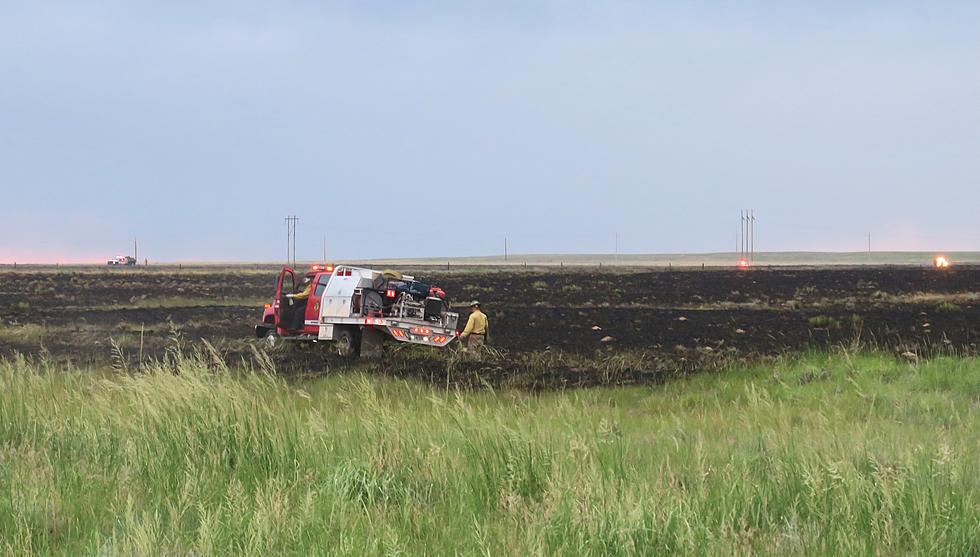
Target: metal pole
x=741, y=233
x=291, y=239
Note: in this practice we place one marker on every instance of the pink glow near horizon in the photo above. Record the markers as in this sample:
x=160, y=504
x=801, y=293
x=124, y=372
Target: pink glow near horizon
x=42, y=257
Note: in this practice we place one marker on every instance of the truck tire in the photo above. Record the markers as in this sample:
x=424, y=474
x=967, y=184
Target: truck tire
x=347, y=343
x=272, y=340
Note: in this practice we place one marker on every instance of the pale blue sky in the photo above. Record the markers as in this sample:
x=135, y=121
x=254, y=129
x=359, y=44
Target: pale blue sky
x=437, y=128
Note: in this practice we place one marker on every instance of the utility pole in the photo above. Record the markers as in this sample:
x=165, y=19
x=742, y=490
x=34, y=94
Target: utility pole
x=617, y=246
x=505, y=248
x=324, y=249
x=136, y=253
x=291, y=221
x=752, y=237
x=741, y=233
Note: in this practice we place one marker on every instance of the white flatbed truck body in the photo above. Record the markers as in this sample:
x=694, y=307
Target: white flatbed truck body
x=352, y=299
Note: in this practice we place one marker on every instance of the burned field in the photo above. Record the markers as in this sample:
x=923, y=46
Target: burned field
x=762, y=310
x=662, y=319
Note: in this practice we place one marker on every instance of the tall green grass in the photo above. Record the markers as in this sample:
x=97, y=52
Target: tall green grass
x=844, y=454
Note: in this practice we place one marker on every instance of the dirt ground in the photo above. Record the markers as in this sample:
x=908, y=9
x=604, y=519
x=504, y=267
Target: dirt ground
x=678, y=315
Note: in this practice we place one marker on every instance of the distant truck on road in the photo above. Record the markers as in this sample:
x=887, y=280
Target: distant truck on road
x=354, y=307
x=122, y=260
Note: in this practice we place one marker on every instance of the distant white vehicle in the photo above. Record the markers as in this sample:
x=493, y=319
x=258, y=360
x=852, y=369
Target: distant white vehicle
x=122, y=260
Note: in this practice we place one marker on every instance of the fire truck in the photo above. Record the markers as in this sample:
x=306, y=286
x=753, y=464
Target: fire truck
x=354, y=307
x=122, y=260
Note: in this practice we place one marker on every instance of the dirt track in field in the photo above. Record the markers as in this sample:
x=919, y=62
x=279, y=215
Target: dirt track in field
x=673, y=314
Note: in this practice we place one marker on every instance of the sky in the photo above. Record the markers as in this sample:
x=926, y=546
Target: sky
x=410, y=129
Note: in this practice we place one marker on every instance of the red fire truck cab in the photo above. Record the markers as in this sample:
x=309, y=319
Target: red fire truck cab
x=288, y=317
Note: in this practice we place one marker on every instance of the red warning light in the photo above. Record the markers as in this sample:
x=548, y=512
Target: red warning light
x=743, y=263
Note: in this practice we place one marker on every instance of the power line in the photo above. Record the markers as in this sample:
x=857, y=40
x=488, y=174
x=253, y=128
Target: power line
x=745, y=240
x=741, y=234
x=291, y=221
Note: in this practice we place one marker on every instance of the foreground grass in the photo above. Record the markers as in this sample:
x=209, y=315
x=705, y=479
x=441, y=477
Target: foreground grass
x=829, y=454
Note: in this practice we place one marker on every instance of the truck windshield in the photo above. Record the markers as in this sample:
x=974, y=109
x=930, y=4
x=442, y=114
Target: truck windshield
x=321, y=285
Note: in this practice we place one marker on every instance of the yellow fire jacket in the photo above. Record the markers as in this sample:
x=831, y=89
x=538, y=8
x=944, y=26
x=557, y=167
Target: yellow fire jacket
x=476, y=324
x=304, y=294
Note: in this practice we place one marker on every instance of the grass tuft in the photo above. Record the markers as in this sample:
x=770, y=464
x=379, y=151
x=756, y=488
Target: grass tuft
x=824, y=322
x=948, y=307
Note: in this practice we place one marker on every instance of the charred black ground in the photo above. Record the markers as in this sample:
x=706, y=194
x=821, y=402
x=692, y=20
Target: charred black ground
x=663, y=318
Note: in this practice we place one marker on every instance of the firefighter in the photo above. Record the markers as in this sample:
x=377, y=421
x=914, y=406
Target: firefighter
x=296, y=312
x=475, y=333
x=307, y=289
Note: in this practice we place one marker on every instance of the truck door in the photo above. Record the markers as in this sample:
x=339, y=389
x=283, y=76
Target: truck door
x=287, y=280
x=313, y=306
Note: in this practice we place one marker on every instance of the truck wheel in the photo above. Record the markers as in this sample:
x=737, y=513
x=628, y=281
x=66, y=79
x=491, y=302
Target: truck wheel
x=347, y=343
x=272, y=340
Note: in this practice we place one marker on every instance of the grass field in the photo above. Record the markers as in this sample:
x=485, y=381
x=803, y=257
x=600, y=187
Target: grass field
x=841, y=454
